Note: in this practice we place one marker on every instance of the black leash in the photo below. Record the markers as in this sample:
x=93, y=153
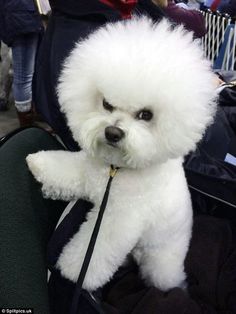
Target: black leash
x=89, y=252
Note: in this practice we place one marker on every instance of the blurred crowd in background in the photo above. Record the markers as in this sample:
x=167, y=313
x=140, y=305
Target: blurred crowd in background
x=37, y=35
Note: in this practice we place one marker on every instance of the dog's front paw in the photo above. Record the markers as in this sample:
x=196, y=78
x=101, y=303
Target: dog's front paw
x=59, y=172
x=45, y=167
x=70, y=263
x=36, y=164
x=101, y=267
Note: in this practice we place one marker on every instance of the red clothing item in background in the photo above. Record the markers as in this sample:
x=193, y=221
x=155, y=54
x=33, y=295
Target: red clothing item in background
x=214, y=5
x=125, y=8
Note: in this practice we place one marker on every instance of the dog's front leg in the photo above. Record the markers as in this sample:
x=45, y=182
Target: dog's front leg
x=114, y=242
x=61, y=173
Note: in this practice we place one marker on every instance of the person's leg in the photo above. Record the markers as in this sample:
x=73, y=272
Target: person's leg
x=5, y=77
x=24, y=50
x=26, y=222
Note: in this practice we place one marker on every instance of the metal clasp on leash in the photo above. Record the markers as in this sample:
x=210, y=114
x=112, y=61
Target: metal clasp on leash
x=113, y=171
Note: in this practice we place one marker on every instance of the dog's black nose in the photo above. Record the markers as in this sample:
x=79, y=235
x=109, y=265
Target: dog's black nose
x=114, y=134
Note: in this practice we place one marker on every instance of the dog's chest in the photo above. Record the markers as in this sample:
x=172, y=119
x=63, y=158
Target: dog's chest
x=130, y=190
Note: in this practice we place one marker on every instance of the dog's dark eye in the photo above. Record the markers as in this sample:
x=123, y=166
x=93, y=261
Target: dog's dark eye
x=107, y=106
x=145, y=115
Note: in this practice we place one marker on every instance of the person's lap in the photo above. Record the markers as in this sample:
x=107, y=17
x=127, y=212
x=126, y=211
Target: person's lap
x=27, y=221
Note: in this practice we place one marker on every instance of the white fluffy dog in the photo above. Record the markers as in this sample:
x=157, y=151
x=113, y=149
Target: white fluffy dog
x=139, y=96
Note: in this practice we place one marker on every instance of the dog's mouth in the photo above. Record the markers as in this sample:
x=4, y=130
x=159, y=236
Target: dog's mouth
x=115, y=145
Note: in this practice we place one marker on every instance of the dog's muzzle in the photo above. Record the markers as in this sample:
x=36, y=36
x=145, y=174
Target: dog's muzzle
x=113, y=134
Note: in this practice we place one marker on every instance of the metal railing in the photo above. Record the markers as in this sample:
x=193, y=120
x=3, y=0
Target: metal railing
x=219, y=43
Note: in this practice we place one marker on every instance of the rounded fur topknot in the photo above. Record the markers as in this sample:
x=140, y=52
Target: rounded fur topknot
x=137, y=65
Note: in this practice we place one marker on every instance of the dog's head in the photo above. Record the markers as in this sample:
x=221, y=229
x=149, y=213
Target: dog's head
x=135, y=93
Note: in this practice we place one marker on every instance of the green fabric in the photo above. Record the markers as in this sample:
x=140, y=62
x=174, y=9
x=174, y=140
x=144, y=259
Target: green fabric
x=26, y=222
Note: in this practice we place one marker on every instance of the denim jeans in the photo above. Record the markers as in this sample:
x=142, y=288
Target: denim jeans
x=24, y=50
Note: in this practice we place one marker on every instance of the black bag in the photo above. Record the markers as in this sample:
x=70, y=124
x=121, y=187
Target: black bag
x=211, y=170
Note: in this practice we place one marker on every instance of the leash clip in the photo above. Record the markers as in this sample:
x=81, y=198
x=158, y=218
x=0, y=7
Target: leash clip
x=113, y=171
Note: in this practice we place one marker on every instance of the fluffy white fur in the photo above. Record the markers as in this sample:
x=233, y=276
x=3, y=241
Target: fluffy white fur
x=134, y=65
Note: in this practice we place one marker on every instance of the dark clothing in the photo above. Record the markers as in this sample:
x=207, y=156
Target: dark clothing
x=95, y=7
x=191, y=19
x=59, y=39
x=83, y=8
x=18, y=17
x=228, y=7
x=148, y=8
x=71, y=21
